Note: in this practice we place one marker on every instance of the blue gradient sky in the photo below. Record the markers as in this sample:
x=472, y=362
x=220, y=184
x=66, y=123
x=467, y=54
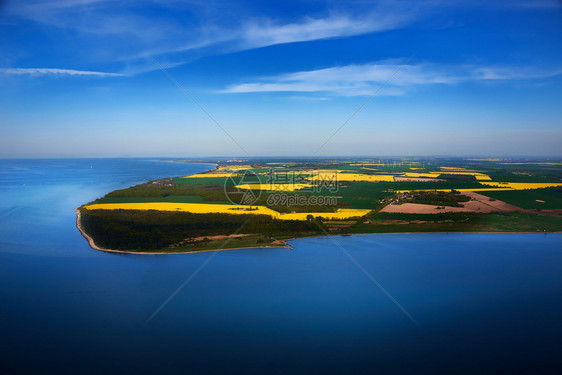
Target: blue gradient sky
x=81, y=78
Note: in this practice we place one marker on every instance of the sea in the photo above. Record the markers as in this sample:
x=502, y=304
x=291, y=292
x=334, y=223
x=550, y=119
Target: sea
x=440, y=303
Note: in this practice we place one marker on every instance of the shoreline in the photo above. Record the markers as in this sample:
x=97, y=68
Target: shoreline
x=96, y=247
x=285, y=242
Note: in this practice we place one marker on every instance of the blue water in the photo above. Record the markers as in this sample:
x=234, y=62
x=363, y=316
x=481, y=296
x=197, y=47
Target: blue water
x=480, y=303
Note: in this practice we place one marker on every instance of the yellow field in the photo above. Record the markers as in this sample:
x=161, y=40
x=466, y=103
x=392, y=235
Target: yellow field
x=380, y=172
x=524, y=185
x=421, y=175
x=365, y=177
x=499, y=186
x=342, y=176
x=205, y=175
x=335, y=176
x=203, y=208
x=235, y=167
x=477, y=175
x=273, y=187
x=475, y=189
x=305, y=172
x=196, y=208
x=341, y=214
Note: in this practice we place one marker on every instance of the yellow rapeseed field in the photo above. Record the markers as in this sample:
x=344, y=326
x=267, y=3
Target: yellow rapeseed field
x=273, y=187
x=205, y=175
x=365, y=177
x=499, y=186
x=204, y=208
x=306, y=172
x=524, y=185
x=196, y=208
x=338, y=176
x=235, y=167
x=421, y=175
x=477, y=175
x=343, y=213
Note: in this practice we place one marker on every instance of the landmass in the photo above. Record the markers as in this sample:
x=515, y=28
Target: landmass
x=261, y=203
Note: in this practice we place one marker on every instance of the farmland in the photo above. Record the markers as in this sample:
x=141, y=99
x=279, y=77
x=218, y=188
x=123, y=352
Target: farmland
x=327, y=196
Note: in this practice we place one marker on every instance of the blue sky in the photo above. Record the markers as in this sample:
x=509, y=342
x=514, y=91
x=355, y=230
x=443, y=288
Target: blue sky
x=83, y=78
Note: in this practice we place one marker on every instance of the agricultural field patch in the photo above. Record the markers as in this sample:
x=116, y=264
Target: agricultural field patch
x=549, y=198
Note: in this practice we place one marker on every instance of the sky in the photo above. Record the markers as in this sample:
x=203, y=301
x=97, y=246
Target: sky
x=198, y=78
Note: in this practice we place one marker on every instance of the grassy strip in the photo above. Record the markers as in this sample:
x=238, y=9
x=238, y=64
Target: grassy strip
x=251, y=241
x=459, y=222
x=551, y=198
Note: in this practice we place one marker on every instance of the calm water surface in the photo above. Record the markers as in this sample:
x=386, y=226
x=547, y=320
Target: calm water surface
x=482, y=303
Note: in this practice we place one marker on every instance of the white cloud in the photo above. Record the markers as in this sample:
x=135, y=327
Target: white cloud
x=366, y=79
x=55, y=71
x=132, y=34
x=349, y=79
x=266, y=33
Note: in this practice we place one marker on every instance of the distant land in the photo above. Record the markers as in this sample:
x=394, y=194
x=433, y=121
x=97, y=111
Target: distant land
x=249, y=203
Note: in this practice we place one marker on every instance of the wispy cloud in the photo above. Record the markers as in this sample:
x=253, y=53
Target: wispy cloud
x=55, y=71
x=130, y=34
x=262, y=31
x=180, y=31
x=265, y=32
x=365, y=79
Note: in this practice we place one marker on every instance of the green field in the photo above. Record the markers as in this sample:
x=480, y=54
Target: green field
x=459, y=222
x=167, y=198
x=250, y=241
x=550, y=198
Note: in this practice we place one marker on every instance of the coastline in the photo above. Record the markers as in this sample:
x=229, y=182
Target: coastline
x=96, y=247
x=285, y=243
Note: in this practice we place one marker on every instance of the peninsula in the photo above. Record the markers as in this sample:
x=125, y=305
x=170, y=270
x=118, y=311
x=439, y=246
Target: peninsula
x=260, y=203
